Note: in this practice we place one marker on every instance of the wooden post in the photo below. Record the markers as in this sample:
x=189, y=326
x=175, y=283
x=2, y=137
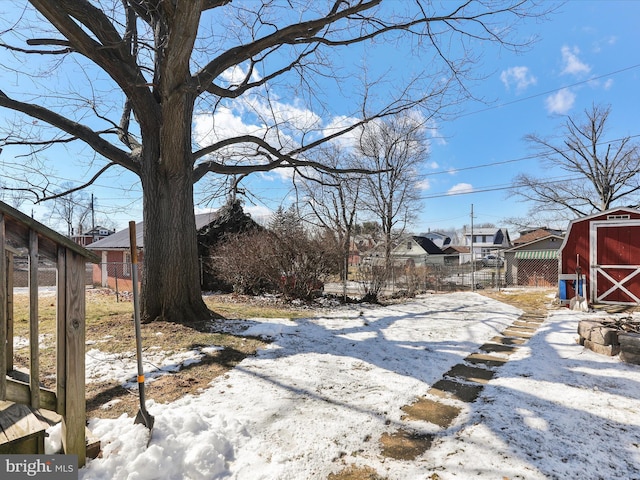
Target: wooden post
x=9, y=285
x=34, y=341
x=61, y=332
x=73, y=427
x=3, y=312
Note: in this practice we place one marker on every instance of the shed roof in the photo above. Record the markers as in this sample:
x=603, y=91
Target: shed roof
x=537, y=254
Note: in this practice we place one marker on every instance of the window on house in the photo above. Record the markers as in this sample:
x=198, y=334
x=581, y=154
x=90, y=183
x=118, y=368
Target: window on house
x=618, y=217
x=408, y=245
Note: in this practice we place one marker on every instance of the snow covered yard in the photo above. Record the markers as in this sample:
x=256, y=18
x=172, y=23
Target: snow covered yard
x=327, y=388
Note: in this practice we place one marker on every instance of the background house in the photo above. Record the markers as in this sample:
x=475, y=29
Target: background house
x=533, y=261
x=415, y=251
x=486, y=240
x=114, y=269
x=441, y=240
x=93, y=235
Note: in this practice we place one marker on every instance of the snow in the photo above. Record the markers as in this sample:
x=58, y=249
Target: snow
x=326, y=389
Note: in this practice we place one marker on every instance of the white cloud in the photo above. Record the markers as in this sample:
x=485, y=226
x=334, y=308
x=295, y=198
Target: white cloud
x=423, y=185
x=349, y=139
x=433, y=165
x=609, y=41
x=236, y=74
x=572, y=64
x=258, y=211
x=460, y=188
x=518, y=76
x=608, y=84
x=560, y=102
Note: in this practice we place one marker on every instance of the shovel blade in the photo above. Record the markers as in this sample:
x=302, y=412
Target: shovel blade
x=145, y=419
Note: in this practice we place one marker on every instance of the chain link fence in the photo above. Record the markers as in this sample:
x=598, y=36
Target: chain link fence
x=534, y=273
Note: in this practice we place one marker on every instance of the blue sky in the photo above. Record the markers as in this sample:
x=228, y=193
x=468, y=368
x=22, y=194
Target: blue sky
x=586, y=53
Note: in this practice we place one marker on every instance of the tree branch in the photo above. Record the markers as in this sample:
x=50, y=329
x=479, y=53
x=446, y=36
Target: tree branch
x=75, y=129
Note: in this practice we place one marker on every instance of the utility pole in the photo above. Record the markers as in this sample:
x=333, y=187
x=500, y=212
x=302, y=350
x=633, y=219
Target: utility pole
x=473, y=259
x=93, y=215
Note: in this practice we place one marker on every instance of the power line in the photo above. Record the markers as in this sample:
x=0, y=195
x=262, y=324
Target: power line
x=520, y=159
x=548, y=92
x=495, y=188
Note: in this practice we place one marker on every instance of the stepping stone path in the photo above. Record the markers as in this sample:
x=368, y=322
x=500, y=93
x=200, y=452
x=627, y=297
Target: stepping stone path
x=462, y=383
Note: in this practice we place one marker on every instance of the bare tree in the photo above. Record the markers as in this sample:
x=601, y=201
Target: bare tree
x=72, y=208
x=143, y=72
x=396, y=148
x=334, y=201
x=600, y=172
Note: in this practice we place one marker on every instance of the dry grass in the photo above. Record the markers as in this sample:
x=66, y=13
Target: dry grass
x=110, y=327
x=528, y=299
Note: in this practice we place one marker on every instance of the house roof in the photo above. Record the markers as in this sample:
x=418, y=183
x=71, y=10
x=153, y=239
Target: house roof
x=538, y=234
x=532, y=243
x=483, y=231
x=120, y=239
x=427, y=245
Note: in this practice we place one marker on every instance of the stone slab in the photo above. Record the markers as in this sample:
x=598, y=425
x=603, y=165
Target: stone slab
x=630, y=342
x=498, y=348
x=508, y=340
x=432, y=411
x=470, y=373
x=630, y=358
x=459, y=391
x=610, y=350
x=596, y=332
x=518, y=333
x=487, y=360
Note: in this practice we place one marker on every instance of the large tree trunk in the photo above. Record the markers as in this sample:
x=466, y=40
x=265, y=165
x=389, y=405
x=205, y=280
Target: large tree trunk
x=171, y=281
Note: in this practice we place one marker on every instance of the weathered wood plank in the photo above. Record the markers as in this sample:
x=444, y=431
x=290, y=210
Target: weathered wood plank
x=3, y=312
x=19, y=422
x=20, y=392
x=61, y=332
x=73, y=427
x=10, y=270
x=34, y=340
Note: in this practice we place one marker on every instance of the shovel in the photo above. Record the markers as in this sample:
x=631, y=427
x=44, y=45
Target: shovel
x=579, y=302
x=143, y=415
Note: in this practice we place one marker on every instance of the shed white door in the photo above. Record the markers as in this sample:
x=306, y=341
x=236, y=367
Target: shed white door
x=615, y=261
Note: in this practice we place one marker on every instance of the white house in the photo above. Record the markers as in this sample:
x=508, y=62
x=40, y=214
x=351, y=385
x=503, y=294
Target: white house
x=417, y=251
x=486, y=240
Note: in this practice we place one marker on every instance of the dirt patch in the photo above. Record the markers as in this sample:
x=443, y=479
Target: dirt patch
x=110, y=399
x=405, y=445
x=353, y=472
x=431, y=411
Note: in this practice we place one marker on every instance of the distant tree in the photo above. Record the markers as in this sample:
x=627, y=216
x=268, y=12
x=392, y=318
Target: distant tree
x=73, y=209
x=396, y=148
x=333, y=201
x=127, y=80
x=286, y=220
x=368, y=228
x=603, y=173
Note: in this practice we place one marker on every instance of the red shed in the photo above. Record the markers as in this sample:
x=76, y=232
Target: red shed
x=606, y=247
